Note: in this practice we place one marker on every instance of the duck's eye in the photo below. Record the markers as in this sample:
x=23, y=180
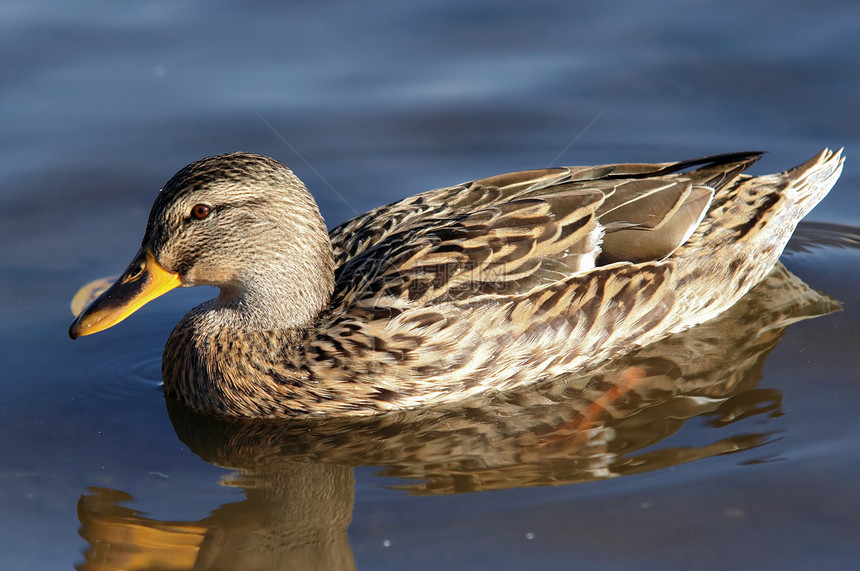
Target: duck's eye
x=200, y=211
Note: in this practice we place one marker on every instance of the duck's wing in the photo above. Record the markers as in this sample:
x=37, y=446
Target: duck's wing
x=629, y=182
x=504, y=249
x=417, y=212
x=508, y=234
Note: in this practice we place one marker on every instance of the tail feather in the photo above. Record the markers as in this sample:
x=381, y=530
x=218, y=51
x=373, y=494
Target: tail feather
x=814, y=178
x=746, y=230
x=745, y=210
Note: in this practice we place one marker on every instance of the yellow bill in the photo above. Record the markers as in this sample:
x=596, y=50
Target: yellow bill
x=143, y=281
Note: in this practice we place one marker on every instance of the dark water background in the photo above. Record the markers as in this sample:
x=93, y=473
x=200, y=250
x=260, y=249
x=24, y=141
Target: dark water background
x=370, y=102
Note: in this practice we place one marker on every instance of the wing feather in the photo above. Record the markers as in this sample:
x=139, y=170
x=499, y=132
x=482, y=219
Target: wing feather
x=509, y=234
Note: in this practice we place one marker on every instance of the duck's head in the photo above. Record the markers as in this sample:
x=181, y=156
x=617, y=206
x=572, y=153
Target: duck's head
x=241, y=222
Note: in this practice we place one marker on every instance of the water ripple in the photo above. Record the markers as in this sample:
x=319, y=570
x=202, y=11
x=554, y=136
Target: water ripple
x=812, y=235
x=127, y=374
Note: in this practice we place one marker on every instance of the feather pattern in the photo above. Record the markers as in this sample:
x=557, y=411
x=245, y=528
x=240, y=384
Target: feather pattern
x=490, y=284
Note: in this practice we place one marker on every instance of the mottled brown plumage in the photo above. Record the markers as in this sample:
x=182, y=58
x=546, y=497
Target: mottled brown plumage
x=491, y=284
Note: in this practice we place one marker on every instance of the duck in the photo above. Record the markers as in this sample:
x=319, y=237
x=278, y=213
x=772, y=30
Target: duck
x=482, y=286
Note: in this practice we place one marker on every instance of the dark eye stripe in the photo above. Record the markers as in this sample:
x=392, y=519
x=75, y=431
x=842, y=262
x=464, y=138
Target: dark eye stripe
x=198, y=215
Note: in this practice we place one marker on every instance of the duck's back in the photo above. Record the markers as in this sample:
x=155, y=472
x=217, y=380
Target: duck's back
x=509, y=234
x=633, y=190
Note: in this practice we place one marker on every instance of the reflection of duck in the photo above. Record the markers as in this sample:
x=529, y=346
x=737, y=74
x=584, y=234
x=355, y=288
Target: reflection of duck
x=295, y=518
x=297, y=474
x=492, y=284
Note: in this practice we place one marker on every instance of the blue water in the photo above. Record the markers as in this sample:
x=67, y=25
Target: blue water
x=368, y=103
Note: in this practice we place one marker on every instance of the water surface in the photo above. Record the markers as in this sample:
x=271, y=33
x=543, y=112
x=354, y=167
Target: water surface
x=368, y=103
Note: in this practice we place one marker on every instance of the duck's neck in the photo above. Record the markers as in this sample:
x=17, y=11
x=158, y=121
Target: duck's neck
x=269, y=308
x=285, y=286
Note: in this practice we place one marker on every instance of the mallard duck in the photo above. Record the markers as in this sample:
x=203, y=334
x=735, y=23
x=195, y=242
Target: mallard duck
x=490, y=284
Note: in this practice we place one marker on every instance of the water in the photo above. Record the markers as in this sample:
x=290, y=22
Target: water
x=369, y=103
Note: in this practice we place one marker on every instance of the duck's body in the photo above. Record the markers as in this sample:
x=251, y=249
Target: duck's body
x=487, y=285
